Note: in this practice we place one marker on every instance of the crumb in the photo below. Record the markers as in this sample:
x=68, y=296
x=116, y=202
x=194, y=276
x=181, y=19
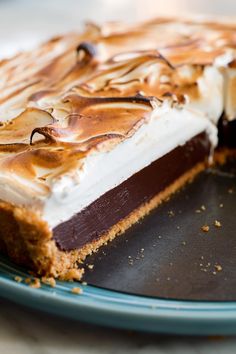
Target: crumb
x=214, y=273
x=168, y=278
x=177, y=227
x=197, y=211
x=35, y=283
x=159, y=237
x=84, y=283
x=217, y=223
x=73, y=274
x=203, y=208
x=230, y=190
x=49, y=281
x=171, y=213
x=221, y=205
x=18, y=279
x=184, y=243
x=218, y=267
x=205, y=228
x=77, y=291
x=27, y=280
x=142, y=250
x=90, y=266
x=202, y=257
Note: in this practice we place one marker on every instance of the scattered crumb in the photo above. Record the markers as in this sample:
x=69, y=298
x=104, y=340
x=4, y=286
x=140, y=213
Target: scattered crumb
x=168, y=278
x=217, y=223
x=90, y=266
x=142, y=250
x=214, y=273
x=159, y=237
x=84, y=283
x=177, y=227
x=184, y=243
x=203, y=208
x=171, y=213
x=221, y=205
x=18, y=279
x=27, y=280
x=35, y=283
x=77, y=291
x=202, y=257
x=230, y=190
x=49, y=281
x=197, y=211
x=205, y=228
x=218, y=267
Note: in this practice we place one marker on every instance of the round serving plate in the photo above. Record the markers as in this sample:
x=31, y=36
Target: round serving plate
x=180, y=280
x=116, y=309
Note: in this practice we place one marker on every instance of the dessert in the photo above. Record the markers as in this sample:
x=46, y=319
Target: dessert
x=99, y=128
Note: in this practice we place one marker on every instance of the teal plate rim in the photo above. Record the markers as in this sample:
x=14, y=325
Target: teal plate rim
x=114, y=309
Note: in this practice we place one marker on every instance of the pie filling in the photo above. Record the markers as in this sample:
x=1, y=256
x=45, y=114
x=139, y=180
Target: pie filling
x=227, y=132
x=97, y=219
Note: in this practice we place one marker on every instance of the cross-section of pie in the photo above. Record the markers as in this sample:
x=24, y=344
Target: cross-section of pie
x=97, y=129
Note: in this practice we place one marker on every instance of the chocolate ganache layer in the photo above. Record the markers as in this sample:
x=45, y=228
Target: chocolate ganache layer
x=227, y=132
x=96, y=219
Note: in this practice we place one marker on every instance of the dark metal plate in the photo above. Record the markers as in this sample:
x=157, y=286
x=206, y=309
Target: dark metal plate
x=168, y=255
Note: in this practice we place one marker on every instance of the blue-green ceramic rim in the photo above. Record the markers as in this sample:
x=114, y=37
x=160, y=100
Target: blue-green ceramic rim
x=114, y=309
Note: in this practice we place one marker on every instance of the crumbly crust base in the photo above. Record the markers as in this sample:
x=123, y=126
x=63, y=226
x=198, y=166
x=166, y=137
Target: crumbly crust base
x=28, y=241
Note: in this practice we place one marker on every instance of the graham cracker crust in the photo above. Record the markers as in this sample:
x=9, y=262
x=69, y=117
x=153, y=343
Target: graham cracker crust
x=28, y=241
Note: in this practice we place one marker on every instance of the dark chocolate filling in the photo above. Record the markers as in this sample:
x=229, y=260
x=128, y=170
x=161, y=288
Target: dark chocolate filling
x=93, y=221
x=227, y=132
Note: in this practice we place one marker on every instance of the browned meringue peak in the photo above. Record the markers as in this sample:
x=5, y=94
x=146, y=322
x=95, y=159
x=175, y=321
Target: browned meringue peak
x=32, y=170
x=19, y=129
x=95, y=120
x=145, y=72
x=169, y=35
x=55, y=62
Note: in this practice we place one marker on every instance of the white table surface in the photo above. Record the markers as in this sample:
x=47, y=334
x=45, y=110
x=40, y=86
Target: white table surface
x=22, y=24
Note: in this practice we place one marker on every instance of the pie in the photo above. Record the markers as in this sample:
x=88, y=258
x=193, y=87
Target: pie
x=99, y=128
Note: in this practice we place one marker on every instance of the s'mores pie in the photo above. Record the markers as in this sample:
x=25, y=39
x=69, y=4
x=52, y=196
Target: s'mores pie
x=99, y=128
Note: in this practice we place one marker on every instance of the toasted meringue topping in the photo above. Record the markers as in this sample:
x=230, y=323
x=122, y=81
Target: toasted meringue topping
x=79, y=95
